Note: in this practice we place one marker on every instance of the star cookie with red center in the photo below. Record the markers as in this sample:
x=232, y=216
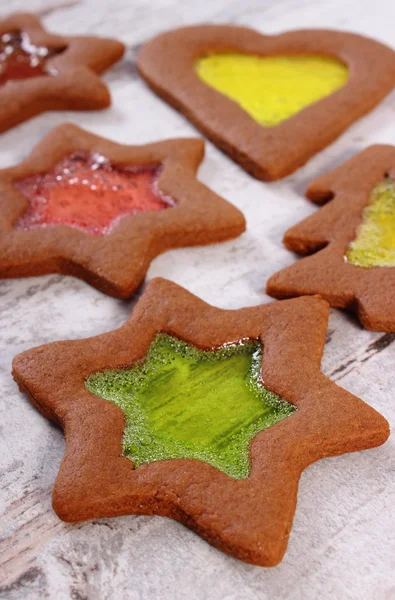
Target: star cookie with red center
x=204, y=415
x=40, y=71
x=85, y=206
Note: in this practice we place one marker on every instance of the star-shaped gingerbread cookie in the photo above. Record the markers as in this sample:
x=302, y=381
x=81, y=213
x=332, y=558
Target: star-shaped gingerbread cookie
x=40, y=71
x=204, y=415
x=351, y=241
x=85, y=206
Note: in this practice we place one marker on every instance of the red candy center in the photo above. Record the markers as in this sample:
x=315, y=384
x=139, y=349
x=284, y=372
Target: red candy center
x=20, y=59
x=87, y=192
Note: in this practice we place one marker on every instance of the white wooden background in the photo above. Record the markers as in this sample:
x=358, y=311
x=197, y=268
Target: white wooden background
x=343, y=540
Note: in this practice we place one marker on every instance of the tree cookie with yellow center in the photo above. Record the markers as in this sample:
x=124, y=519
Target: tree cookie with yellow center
x=351, y=241
x=270, y=102
x=204, y=415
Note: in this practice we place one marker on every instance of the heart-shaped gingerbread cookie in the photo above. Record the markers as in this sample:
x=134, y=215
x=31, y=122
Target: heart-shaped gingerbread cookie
x=270, y=102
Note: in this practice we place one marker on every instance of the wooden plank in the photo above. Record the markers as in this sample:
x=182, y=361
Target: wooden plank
x=342, y=544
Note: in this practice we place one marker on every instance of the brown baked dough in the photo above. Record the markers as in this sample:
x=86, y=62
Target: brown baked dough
x=369, y=292
x=115, y=263
x=167, y=64
x=76, y=85
x=249, y=518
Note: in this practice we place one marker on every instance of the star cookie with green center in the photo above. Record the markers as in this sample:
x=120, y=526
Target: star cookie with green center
x=204, y=415
x=350, y=241
x=85, y=206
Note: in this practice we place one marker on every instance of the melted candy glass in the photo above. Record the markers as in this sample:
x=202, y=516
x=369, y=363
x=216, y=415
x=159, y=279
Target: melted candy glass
x=182, y=402
x=374, y=245
x=272, y=88
x=86, y=191
x=20, y=59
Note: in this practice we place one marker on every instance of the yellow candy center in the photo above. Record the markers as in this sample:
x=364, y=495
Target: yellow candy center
x=374, y=245
x=272, y=88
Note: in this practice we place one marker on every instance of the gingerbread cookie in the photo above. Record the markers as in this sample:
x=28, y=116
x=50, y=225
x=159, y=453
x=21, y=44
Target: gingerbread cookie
x=204, y=415
x=270, y=102
x=84, y=206
x=351, y=241
x=40, y=71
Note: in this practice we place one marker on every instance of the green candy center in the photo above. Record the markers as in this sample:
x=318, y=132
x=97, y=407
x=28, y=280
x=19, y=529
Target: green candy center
x=182, y=402
x=374, y=245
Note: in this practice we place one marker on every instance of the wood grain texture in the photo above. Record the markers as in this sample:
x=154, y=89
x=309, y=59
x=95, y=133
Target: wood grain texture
x=342, y=544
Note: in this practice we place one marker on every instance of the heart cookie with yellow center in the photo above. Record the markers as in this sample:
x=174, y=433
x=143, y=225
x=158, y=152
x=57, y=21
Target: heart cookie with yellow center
x=270, y=102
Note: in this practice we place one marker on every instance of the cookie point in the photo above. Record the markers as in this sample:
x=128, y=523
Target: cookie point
x=158, y=283
x=274, y=288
